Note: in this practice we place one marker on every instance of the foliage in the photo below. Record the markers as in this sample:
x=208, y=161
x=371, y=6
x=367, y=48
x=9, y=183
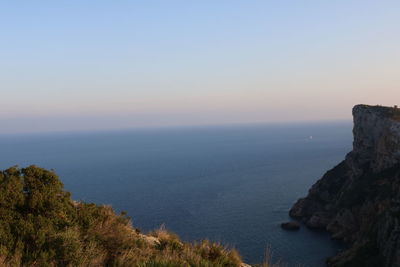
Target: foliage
x=42, y=226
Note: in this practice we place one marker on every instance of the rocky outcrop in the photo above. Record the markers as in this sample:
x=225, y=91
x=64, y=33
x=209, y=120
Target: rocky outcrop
x=290, y=226
x=358, y=201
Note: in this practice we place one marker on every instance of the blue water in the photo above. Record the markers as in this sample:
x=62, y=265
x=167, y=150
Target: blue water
x=233, y=184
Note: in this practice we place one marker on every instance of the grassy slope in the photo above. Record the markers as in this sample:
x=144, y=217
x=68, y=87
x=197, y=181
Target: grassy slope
x=42, y=226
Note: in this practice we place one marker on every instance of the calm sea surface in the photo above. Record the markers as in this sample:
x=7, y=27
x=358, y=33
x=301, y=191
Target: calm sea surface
x=233, y=184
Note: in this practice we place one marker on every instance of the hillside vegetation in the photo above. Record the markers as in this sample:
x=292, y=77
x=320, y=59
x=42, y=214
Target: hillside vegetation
x=41, y=226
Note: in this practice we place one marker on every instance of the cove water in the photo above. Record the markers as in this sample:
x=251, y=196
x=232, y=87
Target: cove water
x=232, y=184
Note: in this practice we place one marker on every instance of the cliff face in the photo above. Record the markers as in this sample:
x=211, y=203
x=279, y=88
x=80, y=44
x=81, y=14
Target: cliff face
x=376, y=136
x=358, y=201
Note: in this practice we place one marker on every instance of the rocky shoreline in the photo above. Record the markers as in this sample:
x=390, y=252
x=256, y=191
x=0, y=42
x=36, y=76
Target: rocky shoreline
x=358, y=201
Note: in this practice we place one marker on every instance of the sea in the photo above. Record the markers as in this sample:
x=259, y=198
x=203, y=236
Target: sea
x=230, y=184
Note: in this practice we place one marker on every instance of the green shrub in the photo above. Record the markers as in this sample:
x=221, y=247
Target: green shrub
x=42, y=226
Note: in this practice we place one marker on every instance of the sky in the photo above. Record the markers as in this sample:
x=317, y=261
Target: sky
x=85, y=65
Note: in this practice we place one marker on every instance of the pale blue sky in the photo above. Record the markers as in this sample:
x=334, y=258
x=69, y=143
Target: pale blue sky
x=78, y=65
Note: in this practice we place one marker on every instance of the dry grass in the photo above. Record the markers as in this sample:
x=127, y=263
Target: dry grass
x=108, y=239
x=114, y=242
x=42, y=226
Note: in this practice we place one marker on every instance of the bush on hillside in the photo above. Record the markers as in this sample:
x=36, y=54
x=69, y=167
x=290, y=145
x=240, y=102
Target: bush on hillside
x=41, y=226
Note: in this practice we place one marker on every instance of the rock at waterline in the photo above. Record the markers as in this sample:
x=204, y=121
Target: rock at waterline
x=291, y=226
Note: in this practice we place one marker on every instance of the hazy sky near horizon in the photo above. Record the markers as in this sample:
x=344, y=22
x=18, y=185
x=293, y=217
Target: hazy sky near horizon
x=79, y=65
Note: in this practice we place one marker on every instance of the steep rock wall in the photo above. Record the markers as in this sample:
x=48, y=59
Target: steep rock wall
x=358, y=201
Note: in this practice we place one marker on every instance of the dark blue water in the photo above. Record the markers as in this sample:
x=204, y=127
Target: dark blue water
x=230, y=184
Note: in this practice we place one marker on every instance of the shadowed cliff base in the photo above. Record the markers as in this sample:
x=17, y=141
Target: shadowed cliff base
x=358, y=201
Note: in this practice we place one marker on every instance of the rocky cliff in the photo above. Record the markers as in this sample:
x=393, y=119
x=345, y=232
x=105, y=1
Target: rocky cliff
x=358, y=201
